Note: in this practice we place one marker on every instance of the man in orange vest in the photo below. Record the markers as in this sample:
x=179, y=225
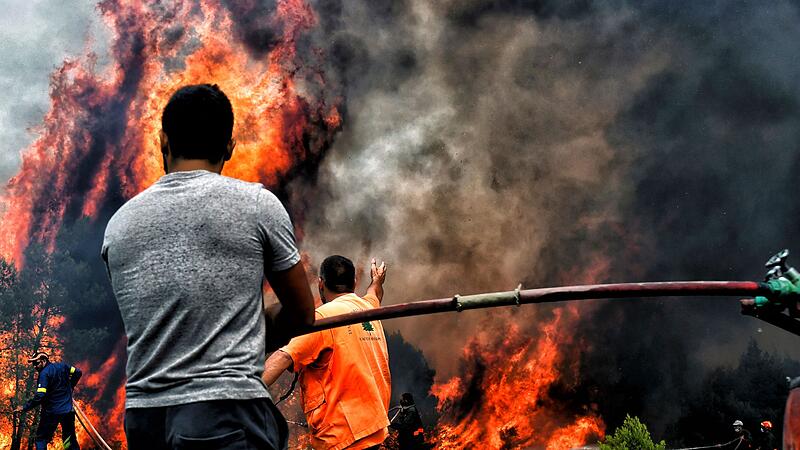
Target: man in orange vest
x=343, y=372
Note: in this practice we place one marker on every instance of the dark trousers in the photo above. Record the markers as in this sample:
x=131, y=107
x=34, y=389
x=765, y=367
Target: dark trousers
x=221, y=424
x=47, y=427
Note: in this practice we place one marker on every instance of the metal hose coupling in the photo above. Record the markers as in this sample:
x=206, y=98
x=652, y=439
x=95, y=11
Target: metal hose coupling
x=475, y=301
x=783, y=283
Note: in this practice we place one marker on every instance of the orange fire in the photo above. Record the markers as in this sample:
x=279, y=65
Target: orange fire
x=12, y=359
x=98, y=146
x=98, y=143
x=103, y=124
x=576, y=434
x=500, y=401
x=90, y=394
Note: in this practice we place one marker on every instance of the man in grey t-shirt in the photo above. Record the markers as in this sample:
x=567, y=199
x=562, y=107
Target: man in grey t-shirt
x=187, y=258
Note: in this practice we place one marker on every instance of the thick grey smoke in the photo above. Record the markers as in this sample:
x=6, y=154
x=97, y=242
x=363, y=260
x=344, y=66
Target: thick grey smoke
x=35, y=38
x=476, y=151
x=492, y=142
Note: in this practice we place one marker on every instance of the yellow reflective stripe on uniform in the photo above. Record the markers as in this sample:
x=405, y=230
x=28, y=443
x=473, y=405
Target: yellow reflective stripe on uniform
x=71, y=370
x=41, y=390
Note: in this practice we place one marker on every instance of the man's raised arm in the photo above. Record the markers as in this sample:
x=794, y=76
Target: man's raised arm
x=378, y=275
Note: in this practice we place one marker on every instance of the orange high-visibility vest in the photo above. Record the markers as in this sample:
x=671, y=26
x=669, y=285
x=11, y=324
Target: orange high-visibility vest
x=344, y=377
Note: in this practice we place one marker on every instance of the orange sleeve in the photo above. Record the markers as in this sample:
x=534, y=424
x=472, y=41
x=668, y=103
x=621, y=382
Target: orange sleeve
x=372, y=299
x=305, y=349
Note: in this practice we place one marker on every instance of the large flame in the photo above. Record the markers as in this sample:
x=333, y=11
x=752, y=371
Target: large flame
x=501, y=399
x=97, y=145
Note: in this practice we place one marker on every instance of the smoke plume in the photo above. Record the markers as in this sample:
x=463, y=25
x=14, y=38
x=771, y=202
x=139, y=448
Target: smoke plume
x=488, y=143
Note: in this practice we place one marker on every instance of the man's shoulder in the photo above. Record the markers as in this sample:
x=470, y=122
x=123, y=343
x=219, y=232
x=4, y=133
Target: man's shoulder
x=57, y=366
x=368, y=301
x=242, y=193
x=231, y=189
x=51, y=368
x=131, y=206
x=344, y=304
x=332, y=308
x=240, y=185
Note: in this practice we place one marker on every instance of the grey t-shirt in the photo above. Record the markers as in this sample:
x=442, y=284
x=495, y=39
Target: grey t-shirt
x=187, y=258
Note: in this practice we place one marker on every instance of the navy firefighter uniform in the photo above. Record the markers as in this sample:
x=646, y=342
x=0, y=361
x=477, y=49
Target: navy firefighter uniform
x=54, y=394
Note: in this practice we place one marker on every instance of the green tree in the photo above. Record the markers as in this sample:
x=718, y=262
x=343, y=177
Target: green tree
x=631, y=435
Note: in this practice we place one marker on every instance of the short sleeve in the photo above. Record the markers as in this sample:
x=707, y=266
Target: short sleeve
x=304, y=350
x=372, y=299
x=275, y=228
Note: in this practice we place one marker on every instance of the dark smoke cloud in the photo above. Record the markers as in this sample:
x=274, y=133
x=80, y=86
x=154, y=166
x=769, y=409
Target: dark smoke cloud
x=487, y=161
x=492, y=142
x=255, y=25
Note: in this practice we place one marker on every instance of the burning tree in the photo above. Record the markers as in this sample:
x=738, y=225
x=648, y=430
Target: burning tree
x=34, y=304
x=31, y=304
x=96, y=148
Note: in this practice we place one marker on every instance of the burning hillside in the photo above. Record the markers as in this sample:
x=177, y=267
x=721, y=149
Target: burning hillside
x=97, y=145
x=472, y=144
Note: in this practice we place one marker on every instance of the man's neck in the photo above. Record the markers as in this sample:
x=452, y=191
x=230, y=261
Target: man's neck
x=331, y=296
x=186, y=165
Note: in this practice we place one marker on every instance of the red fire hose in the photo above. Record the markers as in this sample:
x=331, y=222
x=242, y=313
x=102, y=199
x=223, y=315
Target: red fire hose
x=550, y=295
x=90, y=429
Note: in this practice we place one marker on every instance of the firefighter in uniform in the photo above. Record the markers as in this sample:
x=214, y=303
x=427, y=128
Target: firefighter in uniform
x=743, y=435
x=54, y=393
x=765, y=440
x=410, y=433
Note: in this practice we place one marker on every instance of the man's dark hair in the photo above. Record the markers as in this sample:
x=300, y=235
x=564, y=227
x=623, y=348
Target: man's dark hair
x=338, y=274
x=407, y=398
x=198, y=122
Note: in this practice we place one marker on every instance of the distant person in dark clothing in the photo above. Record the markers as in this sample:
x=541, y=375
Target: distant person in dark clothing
x=745, y=438
x=410, y=433
x=54, y=393
x=765, y=440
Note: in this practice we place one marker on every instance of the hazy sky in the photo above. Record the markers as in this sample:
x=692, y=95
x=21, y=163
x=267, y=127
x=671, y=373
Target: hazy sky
x=35, y=38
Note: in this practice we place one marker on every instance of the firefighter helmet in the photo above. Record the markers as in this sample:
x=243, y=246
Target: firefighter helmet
x=38, y=356
x=738, y=423
x=767, y=424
